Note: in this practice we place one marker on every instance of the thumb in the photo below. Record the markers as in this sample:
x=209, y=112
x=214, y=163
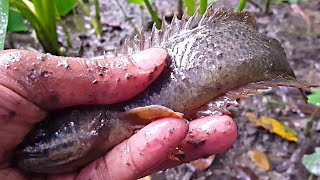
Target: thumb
x=55, y=82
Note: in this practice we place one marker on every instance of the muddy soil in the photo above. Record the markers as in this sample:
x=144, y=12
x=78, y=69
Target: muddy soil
x=298, y=30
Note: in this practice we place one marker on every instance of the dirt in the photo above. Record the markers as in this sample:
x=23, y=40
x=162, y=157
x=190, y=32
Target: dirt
x=299, y=33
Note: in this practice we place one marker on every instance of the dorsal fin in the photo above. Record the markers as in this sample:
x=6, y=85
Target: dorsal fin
x=186, y=23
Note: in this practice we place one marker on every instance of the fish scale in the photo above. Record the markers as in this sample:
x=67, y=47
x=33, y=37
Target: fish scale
x=213, y=58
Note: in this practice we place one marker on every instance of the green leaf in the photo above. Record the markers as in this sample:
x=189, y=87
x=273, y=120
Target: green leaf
x=191, y=6
x=65, y=6
x=140, y=2
x=4, y=10
x=16, y=21
x=241, y=5
x=153, y=14
x=203, y=6
x=312, y=162
x=314, y=97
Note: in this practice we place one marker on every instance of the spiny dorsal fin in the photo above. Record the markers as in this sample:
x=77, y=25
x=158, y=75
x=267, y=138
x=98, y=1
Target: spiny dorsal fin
x=142, y=42
x=228, y=15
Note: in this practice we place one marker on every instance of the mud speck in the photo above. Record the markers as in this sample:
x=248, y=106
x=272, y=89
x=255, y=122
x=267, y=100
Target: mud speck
x=196, y=144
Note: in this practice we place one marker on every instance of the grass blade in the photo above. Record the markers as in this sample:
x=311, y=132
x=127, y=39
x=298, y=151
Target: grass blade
x=191, y=6
x=153, y=14
x=203, y=6
x=4, y=10
x=241, y=5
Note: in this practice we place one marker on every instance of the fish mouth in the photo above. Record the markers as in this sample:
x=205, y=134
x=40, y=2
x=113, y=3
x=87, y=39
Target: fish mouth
x=40, y=161
x=23, y=155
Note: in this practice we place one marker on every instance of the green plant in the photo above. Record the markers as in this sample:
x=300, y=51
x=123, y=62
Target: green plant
x=314, y=97
x=312, y=162
x=191, y=6
x=152, y=12
x=16, y=22
x=241, y=5
x=42, y=15
x=95, y=21
x=4, y=10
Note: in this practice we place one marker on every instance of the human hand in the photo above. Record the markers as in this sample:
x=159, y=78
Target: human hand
x=31, y=84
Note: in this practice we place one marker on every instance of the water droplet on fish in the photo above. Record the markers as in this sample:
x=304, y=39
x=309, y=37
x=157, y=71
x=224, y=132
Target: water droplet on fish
x=71, y=123
x=64, y=63
x=94, y=132
x=219, y=54
x=127, y=76
x=6, y=66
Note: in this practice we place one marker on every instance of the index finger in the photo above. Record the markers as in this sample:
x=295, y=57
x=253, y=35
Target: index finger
x=55, y=82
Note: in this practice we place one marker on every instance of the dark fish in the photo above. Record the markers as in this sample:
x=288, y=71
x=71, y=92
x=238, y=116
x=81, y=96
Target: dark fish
x=209, y=56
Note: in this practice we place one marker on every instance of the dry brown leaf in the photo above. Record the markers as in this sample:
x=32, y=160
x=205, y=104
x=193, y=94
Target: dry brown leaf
x=273, y=126
x=202, y=164
x=244, y=172
x=260, y=158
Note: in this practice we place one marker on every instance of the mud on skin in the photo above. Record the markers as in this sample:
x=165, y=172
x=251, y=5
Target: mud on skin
x=209, y=56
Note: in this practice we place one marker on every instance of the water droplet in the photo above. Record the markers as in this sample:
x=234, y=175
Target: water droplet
x=64, y=63
x=219, y=54
x=127, y=76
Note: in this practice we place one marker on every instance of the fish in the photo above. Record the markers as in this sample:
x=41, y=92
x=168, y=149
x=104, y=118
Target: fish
x=218, y=57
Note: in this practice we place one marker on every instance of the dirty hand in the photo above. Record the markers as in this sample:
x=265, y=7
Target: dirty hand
x=31, y=84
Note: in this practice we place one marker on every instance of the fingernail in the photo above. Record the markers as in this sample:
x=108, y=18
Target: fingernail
x=150, y=58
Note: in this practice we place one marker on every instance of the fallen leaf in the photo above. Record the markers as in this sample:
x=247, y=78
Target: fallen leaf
x=314, y=97
x=245, y=173
x=274, y=126
x=202, y=164
x=260, y=158
x=253, y=118
x=312, y=162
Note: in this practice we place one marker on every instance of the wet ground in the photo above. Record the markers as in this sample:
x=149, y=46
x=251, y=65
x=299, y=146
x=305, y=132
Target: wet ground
x=298, y=30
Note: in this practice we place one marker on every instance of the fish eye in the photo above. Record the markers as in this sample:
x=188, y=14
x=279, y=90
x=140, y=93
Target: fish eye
x=39, y=137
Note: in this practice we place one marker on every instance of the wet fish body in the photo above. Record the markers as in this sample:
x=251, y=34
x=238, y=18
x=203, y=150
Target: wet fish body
x=209, y=55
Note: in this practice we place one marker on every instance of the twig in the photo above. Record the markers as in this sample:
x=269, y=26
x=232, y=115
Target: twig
x=255, y=5
x=308, y=128
x=87, y=12
x=296, y=8
x=66, y=33
x=180, y=8
x=268, y=4
x=126, y=17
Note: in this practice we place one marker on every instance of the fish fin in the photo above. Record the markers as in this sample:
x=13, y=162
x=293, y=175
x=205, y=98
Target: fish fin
x=220, y=104
x=210, y=17
x=147, y=114
x=224, y=15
